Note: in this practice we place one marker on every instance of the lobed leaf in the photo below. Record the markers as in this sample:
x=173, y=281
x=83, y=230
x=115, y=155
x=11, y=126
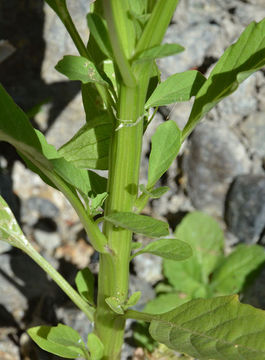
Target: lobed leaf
x=61, y=340
x=237, y=63
x=79, y=68
x=178, y=87
x=206, y=239
x=140, y=224
x=85, y=283
x=157, y=52
x=89, y=147
x=165, y=147
x=219, y=328
x=231, y=275
x=172, y=249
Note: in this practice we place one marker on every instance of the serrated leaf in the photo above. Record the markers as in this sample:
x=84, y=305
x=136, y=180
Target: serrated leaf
x=177, y=88
x=172, y=249
x=165, y=147
x=219, y=328
x=95, y=346
x=10, y=231
x=231, y=275
x=115, y=305
x=89, y=147
x=133, y=300
x=165, y=302
x=79, y=68
x=61, y=340
x=154, y=193
x=85, y=283
x=140, y=224
x=206, y=239
x=238, y=62
x=157, y=52
x=99, y=32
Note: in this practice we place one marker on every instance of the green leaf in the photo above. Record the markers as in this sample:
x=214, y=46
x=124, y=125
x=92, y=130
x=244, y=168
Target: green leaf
x=140, y=224
x=85, y=283
x=92, y=101
x=155, y=193
x=166, y=302
x=95, y=346
x=157, y=52
x=115, y=304
x=178, y=87
x=79, y=68
x=98, y=183
x=99, y=31
x=10, y=231
x=98, y=202
x=60, y=340
x=172, y=249
x=206, y=239
x=231, y=275
x=54, y=6
x=219, y=328
x=136, y=245
x=138, y=6
x=237, y=63
x=16, y=129
x=89, y=147
x=165, y=147
x=109, y=70
x=133, y=300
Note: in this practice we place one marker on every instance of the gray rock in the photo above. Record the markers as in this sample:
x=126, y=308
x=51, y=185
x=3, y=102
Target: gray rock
x=76, y=319
x=49, y=241
x=148, y=267
x=214, y=157
x=58, y=41
x=245, y=210
x=196, y=39
x=21, y=280
x=254, y=129
x=138, y=283
x=241, y=103
x=8, y=350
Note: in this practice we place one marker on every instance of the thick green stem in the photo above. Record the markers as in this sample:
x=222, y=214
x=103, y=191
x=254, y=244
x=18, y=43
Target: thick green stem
x=122, y=188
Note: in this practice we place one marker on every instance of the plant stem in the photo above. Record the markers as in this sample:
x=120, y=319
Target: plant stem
x=122, y=188
x=60, y=281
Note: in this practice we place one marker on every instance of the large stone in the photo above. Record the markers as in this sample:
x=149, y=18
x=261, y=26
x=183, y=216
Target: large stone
x=212, y=159
x=254, y=129
x=245, y=213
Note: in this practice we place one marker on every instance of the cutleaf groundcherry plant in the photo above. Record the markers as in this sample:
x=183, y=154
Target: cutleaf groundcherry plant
x=120, y=82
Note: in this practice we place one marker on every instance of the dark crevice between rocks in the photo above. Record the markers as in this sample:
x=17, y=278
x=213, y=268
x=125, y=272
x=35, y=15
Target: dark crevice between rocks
x=174, y=219
x=207, y=62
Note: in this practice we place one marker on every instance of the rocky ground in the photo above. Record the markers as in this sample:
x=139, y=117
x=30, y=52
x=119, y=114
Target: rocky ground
x=220, y=169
